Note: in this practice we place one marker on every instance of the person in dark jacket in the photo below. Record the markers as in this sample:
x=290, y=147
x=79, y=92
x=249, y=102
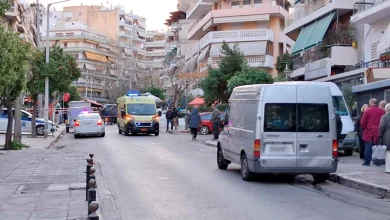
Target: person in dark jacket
x=339, y=126
x=215, y=120
x=384, y=133
x=169, y=117
x=195, y=121
x=359, y=131
x=370, y=124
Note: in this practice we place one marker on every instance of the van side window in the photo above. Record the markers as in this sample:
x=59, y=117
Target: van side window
x=280, y=117
x=313, y=118
x=235, y=115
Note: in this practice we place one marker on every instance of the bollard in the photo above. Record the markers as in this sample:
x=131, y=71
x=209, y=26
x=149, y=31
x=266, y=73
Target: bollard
x=91, y=176
x=91, y=155
x=91, y=192
x=93, y=207
x=88, y=173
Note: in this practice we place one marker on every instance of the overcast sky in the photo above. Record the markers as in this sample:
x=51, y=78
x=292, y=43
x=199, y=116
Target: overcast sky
x=155, y=11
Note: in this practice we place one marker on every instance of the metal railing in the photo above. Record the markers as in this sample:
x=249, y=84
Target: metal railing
x=309, y=57
x=371, y=64
x=305, y=11
x=363, y=5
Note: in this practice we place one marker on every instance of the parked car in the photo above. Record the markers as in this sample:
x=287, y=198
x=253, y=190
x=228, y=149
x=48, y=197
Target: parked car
x=26, y=123
x=206, y=125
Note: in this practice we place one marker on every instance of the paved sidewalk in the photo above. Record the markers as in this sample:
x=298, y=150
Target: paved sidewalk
x=39, y=142
x=42, y=185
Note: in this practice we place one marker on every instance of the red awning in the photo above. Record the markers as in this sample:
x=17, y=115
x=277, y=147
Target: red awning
x=197, y=101
x=93, y=103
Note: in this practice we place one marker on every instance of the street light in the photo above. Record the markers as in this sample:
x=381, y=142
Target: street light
x=46, y=110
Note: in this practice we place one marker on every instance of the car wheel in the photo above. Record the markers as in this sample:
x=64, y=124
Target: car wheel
x=157, y=133
x=76, y=136
x=246, y=174
x=126, y=131
x=102, y=135
x=221, y=161
x=348, y=152
x=320, y=178
x=119, y=130
x=67, y=129
x=204, y=130
x=40, y=130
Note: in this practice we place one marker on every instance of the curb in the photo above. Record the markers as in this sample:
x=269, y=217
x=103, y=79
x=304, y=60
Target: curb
x=56, y=139
x=179, y=132
x=210, y=143
x=360, y=185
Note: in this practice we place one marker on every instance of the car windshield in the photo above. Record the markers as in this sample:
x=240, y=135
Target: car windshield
x=141, y=109
x=88, y=116
x=339, y=105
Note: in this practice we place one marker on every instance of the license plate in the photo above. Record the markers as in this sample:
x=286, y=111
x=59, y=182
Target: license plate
x=88, y=123
x=144, y=129
x=277, y=149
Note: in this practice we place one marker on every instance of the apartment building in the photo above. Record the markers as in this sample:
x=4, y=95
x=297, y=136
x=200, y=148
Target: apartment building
x=21, y=17
x=106, y=45
x=255, y=25
x=152, y=53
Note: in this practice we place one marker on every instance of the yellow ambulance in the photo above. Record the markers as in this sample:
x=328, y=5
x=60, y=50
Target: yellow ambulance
x=137, y=113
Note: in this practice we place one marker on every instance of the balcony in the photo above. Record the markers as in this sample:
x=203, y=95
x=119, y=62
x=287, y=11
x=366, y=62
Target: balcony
x=264, y=61
x=198, y=8
x=237, y=36
x=126, y=25
x=78, y=36
x=370, y=11
x=201, y=27
x=155, y=44
x=315, y=10
x=125, y=34
x=183, y=5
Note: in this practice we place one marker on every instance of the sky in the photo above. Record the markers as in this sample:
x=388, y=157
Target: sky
x=155, y=11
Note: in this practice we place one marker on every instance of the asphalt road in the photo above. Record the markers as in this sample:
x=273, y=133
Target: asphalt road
x=173, y=177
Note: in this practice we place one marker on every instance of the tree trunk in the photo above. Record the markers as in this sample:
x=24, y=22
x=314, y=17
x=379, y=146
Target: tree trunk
x=8, y=136
x=33, y=118
x=18, y=121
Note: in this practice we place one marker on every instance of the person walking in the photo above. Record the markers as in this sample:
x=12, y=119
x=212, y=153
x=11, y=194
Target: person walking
x=169, y=117
x=370, y=125
x=215, y=120
x=382, y=105
x=359, y=131
x=384, y=135
x=194, y=123
x=175, y=117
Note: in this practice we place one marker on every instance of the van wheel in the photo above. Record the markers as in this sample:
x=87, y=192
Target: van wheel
x=103, y=134
x=126, y=131
x=157, y=132
x=40, y=130
x=204, y=130
x=320, y=178
x=76, y=136
x=348, y=152
x=246, y=174
x=67, y=129
x=221, y=161
x=119, y=131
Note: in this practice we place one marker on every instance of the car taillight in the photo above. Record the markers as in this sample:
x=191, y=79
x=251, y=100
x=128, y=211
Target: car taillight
x=335, y=149
x=256, y=148
x=100, y=122
x=76, y=123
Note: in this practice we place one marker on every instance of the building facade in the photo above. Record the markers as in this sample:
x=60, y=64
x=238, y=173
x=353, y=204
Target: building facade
x=257, y=26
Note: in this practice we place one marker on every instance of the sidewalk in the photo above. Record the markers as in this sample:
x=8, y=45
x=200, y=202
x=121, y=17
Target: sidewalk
x=39, y=142
x=38, y=184
x=350, y=172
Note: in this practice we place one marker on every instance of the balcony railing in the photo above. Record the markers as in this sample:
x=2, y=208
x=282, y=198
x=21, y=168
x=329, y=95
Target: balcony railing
x=305, y=11
x=253, y=61
x=310, y=57
x=371, y=64
x=363, y=5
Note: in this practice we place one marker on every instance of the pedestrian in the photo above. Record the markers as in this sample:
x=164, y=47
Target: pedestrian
x=215, y=120
x=169, y=117
x=175, y=117
x=194, y=123
x=382, y=105
x=384, y=133
x=359, y=131
x=339, y=125
x=370, y=124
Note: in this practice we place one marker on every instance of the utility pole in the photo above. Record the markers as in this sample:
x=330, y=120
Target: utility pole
x=38, y=26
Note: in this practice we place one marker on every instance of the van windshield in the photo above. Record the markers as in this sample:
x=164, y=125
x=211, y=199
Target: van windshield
x=141, y=109
x=339, y=105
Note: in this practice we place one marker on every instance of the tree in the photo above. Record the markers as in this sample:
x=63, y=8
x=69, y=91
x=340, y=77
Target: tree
x=4, y=6
x=249, y=76
x=62, y=70
x=215, y=84
x=15, y=56
x=158, y=92
x=281, y=62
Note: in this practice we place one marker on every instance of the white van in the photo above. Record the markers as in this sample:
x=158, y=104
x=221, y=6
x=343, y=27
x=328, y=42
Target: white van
x=26, y=123
x=347, y=139
x=285, y=128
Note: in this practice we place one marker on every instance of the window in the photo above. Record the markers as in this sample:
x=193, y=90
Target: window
x=76, y=56
x=280, y=117
x=246, y=3
x=313, y=118
x=65, y=45
x=24, y=115
x=258, y=3
x=206, y=117
x=235, y=4
x=339, y=105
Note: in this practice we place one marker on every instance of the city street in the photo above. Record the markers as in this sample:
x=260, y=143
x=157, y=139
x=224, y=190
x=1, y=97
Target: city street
x=173, y=177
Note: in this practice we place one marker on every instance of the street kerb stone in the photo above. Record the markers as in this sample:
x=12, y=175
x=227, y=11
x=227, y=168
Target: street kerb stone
x=58, y=187
x=77, y=186
x=211, y=143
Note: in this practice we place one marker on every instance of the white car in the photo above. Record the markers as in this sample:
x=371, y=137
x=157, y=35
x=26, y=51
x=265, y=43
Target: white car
x=89, y=124
x=26, y=123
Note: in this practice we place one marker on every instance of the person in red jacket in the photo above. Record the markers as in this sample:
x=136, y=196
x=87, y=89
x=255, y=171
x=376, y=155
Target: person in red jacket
x=370, y=125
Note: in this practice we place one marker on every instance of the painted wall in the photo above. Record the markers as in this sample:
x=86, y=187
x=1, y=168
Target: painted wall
x=275, y=24
x=374, y=34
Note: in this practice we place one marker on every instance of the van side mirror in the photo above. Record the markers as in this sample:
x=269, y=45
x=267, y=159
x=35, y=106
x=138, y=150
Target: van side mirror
x=159, y=113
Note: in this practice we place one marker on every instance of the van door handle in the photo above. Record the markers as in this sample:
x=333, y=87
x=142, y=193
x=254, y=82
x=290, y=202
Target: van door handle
x=319, y=136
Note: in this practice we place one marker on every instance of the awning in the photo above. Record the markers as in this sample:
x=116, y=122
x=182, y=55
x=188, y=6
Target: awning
x=312, y=34
x=197, y=101
x=247, y=48
x=203, y=53
x=141, y=34
x=96, y=57
x=141, y=23
x=384, y=45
